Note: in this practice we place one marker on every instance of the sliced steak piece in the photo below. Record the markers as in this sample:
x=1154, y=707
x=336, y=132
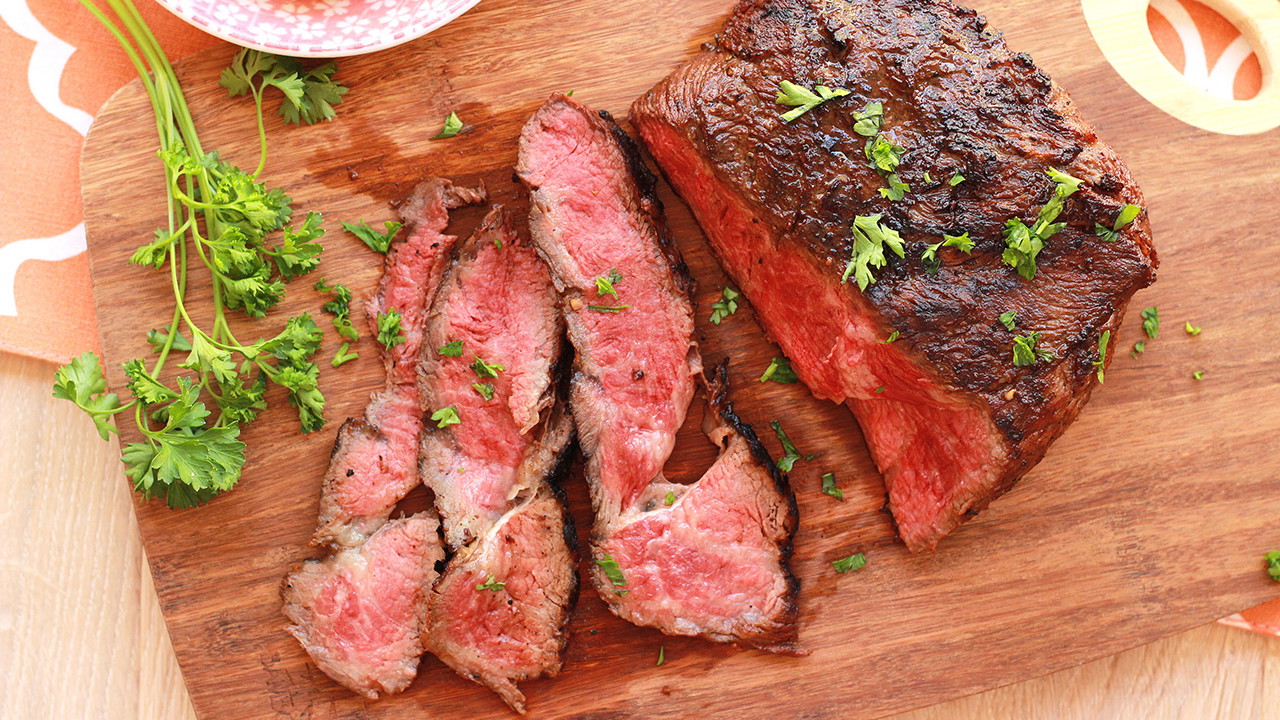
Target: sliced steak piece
x=359, y=612
x=713, y=563
x=498, y=614
x=493, y=345
x=375, y=460
x=950, y=421
x=496, y=308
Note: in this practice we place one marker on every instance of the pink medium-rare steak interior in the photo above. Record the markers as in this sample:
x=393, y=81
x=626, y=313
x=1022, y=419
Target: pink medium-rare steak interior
x=493, y=346
x=643, y=358
x=497, y=301
x=950, y=420
x=498, y=614
x=359, y=612
x=663, y=552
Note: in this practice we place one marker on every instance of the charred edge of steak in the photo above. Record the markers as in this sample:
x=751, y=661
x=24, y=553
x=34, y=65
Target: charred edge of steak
x=717, y=384
x=646, y=187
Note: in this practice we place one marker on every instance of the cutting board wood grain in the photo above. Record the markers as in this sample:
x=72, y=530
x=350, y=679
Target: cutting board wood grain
x=1149, y=516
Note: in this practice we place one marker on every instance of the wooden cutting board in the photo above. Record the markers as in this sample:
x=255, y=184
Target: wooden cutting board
x=1149, y=516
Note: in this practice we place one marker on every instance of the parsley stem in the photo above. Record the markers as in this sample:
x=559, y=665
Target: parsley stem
x=262, y=131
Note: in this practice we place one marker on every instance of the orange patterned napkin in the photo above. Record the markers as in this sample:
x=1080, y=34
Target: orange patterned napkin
x=59, y=66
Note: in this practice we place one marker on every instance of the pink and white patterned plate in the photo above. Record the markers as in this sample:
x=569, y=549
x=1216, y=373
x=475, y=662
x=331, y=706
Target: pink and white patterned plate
x=318, y=28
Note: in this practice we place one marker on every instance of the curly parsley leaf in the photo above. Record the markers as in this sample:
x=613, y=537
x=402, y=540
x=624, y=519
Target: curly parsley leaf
x=378, y=242
x=83, y=382
x=146, y=388
x=390, y=333
x=1009, y=319
x=725, y=306
x=483, y=369
x=187, y=462
x=452, y=126
x=870, y=238
x=612, y=571
x=851, y=563
x=960, y=242
x=803, y=100
x=1101, y=362
x=1151, y=322
x=829, y=486
x=491, y=584
x=1026, y=350
x=485, y=390
x=444, y=417
x=450, y=349
x=299, y=253
x=790, y=453
x=309, y=95
x=340, y=308
x=605, y=283
x=868, y=121
x=779, y=371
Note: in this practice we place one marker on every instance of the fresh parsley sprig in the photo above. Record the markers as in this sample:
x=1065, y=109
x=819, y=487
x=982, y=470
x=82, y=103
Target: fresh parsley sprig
x=377, y=241
x=224, y=217
x=725, y=306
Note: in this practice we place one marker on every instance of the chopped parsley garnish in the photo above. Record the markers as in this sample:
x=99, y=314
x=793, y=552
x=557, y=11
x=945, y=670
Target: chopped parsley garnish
x=452, y=126
x=1273, y=564
x=614, y=573
x=340, y=308
x=892, y=336
x=484, y=389
x=450, y=349
x=1025, y=243
x=390, y=334
x=725, y=306
x=486, y=370
x=1102, y=354
x=883, y=154
x=956, y=179
x=869, y=120
x=927, y=177
x=1112, y=234
x=608, y=308
x=1138, y=348
x=670, y=499
x=788, y=460
x=1191, y=329
x=802, y=100
x=897, y=188
x=870, y=238
x=1026, y=352
x=829, y=486
x=960, y=242
x=491, y=584
x=880, y=389
x=344, y=356
x=1151, y=322
x=604, y=283
x=380, y=242
x=851, y=563
x=1009, y=319
x=779, y=371
x=1198, y=375
x=444, y=417
x=662, y=655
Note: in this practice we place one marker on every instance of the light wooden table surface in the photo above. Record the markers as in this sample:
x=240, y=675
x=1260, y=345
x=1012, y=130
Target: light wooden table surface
x=81, y=635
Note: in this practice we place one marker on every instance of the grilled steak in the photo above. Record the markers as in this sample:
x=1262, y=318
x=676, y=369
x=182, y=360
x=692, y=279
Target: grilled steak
x=375, y=460
x=950, y=420
x=359, y=613
x=493, y=340
x=665, y=553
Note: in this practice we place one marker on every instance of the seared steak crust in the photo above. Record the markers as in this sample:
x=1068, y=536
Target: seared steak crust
x=707, y=559
x=956, y=422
